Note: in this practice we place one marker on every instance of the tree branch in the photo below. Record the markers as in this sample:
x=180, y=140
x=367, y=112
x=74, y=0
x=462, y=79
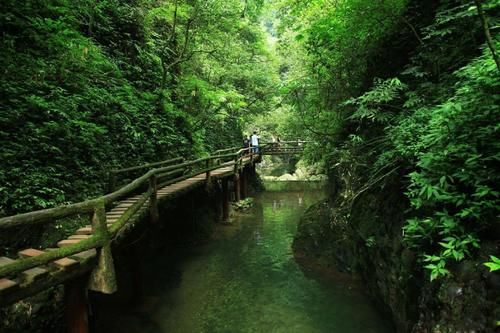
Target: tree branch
x=487, y=33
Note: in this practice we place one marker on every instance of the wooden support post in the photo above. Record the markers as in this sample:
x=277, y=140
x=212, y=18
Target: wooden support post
x=235, y=169
x=76, y=305
x=225, y=199
x=237, y=190
x=136, y=275
x=154, y=216
x=243, y=180
x=208, y=171
x=103, y=277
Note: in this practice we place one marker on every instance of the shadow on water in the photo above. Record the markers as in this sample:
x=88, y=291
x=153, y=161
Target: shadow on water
x=245, y=279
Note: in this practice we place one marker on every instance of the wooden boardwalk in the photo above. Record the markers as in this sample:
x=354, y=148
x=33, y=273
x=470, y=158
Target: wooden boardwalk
x=30, y=276
x=84, y=260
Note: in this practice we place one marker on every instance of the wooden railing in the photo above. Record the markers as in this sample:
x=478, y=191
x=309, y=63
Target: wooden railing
x=113, y=174
x=283, y=147
x=159, y=174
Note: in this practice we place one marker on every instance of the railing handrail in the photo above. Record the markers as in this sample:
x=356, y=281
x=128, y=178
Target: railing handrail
x=148, y=165
x=225, y=150
x=88, y=206
x=284, y=142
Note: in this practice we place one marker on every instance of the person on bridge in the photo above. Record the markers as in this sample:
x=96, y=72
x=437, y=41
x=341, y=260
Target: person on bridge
x=246, y=143
x=255, y=142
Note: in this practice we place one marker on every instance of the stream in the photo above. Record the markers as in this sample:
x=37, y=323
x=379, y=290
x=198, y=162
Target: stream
x=246, y=279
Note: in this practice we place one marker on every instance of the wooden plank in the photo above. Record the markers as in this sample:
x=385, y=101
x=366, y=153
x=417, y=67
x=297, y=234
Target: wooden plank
x=79, y=236
x=55, y=277
x=67, y=242
x=85, y=254
x=113, y=215
x=5, y=261
x=119, y=210
x=30, y=253
x=33, y=274
x=66, y=263
x=84, y=231
x=7, y=285
x=131, y=200
x=123, y=204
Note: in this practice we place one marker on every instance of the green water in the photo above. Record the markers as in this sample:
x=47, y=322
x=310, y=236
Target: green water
x=247, y=280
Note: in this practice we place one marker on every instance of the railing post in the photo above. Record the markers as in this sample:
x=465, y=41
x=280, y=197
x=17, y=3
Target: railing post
x=207, y=166
x=243, y=180
x=102, y=278
x=236, y=160
x=154, y=216
x=237, y=187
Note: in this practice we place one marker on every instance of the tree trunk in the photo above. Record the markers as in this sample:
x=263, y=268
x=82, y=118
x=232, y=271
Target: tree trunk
x=489, y=39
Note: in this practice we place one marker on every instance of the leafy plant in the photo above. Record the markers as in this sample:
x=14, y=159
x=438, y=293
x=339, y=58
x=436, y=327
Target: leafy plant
x=494, y=264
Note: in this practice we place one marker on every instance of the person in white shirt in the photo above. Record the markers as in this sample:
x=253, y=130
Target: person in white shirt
x=255, y=142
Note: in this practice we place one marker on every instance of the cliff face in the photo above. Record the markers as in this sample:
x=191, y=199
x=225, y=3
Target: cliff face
x=365, y=237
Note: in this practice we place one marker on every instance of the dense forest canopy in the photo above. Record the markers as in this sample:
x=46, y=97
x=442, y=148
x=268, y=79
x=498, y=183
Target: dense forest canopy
x=88, y=86
x=404, y=89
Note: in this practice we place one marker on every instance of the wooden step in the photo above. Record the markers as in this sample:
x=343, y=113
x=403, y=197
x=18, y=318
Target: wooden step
x=67, y=242
x=33, y=274
x=84, y=255
x=7, y=285
x=79, y=236
x=118, y=210
x=84, y=231
x=108, y=215
x=5, y=261
x=124, y=204
x=30, y=253
x=66, y=263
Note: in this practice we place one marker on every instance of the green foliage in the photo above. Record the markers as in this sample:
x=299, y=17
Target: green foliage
x=373, y=104
x=494, y=264
x=436, y=266
x=453, y=187
x=243, y=205
x=89, y=86
x=431, y=112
